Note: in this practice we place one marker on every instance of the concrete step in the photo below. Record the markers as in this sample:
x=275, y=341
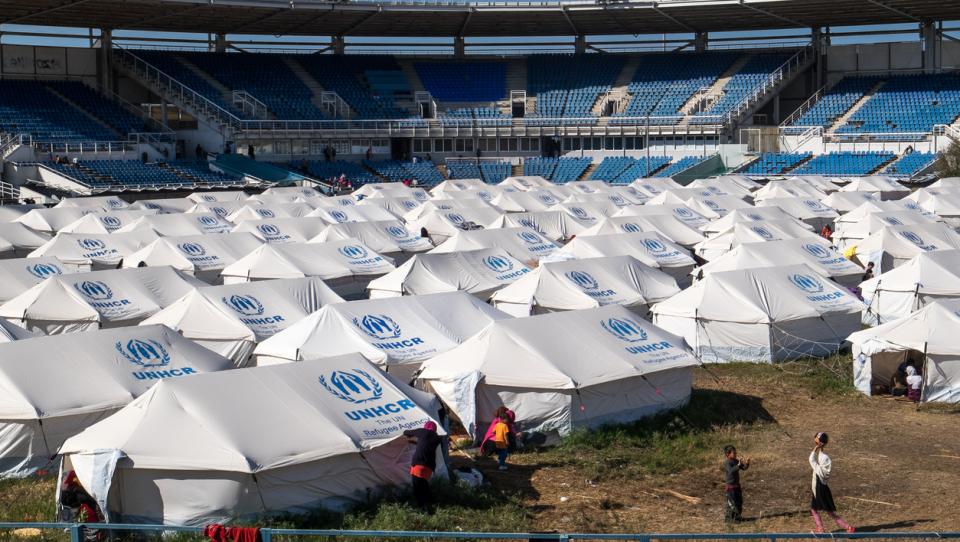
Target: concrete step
x=589, y=171
x=842, y=119
x=516, y=79
x=224, y=91
x=715, y=89
x=316, y=89
x=416, y=85
x=621, y=84
x=87, y=113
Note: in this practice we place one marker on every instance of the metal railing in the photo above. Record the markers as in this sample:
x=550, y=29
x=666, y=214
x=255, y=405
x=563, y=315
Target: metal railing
x=76, y=532
x=805, y=106
x=250, y=105
x=802, y=133
x=792, y=65
x=10, y=142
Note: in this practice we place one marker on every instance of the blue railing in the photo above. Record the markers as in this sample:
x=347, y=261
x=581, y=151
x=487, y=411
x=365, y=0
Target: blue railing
x=76, y=534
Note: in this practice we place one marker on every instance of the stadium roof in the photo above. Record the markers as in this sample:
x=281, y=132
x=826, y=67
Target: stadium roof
x=432, y=19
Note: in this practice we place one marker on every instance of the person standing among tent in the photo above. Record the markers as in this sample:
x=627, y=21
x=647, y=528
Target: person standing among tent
x=827, y=232
x=500, y=437
x=731, y=483
x=822, y=497
x=914, y=382
x=423, y=463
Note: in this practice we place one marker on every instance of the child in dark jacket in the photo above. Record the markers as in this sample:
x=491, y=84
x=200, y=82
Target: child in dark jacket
x=732, y=489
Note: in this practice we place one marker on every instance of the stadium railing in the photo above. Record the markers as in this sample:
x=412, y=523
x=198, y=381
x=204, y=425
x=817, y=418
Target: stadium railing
x=796, y=62
x=76, y=532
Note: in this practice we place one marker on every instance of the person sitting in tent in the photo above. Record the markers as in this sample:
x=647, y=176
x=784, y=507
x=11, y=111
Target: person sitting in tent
x=914, y=382
x=868, y=272
x=423, y=463
x=898, y=383
x=79, y=506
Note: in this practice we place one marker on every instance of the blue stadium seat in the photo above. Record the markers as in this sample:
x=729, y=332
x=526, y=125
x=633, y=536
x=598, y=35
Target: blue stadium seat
x=910, y=164
x=845, y=163
x=774, y=163
x=464, y=81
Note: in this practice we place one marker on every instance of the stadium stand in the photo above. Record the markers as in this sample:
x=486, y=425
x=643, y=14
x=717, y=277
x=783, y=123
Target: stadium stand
x=568, y=86
x=836, y=101
x=908, y=104
x=748, y=80
x=494, y=172
x=680, y=166
x=425, y=173
x=91, y=101
x=332, y=170
x=845, y=163
x=611, y=167
x=132, y=174
x=361, y=81
x=464, y=170
x=482, y=116
x=35, y=108
x=169, y=64
x=910, y=164
x=774, y=163
x=464, y=81
x=559, y=170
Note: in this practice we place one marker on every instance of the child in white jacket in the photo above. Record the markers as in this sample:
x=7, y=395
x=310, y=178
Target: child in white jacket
x=822, y=497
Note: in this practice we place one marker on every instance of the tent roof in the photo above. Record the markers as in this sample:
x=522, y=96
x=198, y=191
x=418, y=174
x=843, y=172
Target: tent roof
x=328, y=261
x=932, y=329
x=475, y=271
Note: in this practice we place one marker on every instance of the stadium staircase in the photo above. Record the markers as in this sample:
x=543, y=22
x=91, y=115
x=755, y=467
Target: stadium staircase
x=416, y=85
x=714, y=91
x=775, y=83
x=225, y=92
x=89, y=115
x=620, y=85
x=884, y=165
x=316, y=89
x=516, y=79
x=174, y=91
x=587, y=173
x=516, y=170
x=842, y=119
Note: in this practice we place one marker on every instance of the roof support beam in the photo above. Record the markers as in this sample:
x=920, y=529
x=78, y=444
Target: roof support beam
x=258, y=21
x=762, y=11
x=305, y=24
x=356, y=25
x=672, y=19
x=72, y=3
x=899, y=12
x=165, y=15
x=566, y=16
x=466, y=21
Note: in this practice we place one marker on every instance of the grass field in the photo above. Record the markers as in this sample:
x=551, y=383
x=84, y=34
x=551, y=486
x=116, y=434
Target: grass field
x=897, y=467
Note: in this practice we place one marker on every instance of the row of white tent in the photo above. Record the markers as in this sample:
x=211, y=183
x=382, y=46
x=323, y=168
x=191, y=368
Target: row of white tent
x=307, y=426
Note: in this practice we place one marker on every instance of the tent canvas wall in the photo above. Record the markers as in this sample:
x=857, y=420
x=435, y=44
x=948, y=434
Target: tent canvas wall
x=752, y=232
x=164, y=205
x=762, y=315
x=94, y=251
x=20, y=274
x=442, y=224
x=231, y=319
x=52, y=220
x=679, y=211
x=346, y=266
x=650, y=248
x=815, y=252
x=925, y=278
x=104, y=222
x=17, y=240
x=523, y=244
x=255, y=443
x=536, y=367
x=555, y=225
x=927, y=336
x=254, y=210
x=753, y=214
x=54, y=387
x=353, y=213
x=283, y=230
x=170, y=225
x=892, y=246
x=103, y=203
x=99, y=299
x=850, y=233
x=477, y=272
x=217, y=196
x=391, y=238
x=665, y=225
x=586, y=284
x=396, y=333
x=814, y=212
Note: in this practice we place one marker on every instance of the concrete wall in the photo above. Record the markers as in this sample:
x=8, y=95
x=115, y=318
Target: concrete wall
x=30, y=60
x=900, y=56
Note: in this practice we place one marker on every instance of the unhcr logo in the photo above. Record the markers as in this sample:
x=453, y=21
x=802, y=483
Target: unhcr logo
x=354, y=252
x=816, y=250
x=812, y=204
x=762, y=232
x=484, y=195
x=378, y=326
x=755, y=217
x=631, y=227
x=266, y=213
x=396, y=232
x=420, y=196
x=498, y=264
x=529, y=237
x=654, y=245
x=344, y=202
x=624, y=329
x=205, y=220
x=115, y=203
x=91, y=244
x=268, y=229
x=143, y=352
x=409, y=204
x=579, y=213
x=455, y=218
x=916, y=239
x=111, y=222
x=547, y=198
x=208, y=197
x=806, y=283
x=618, y=200
x=712, y=205
x=582, y=279
x=356, y=386
x=94, y=289
x=650, y=188
x=527, y=223
x=246, y=305
x=192, y=249
x=338, y=216
x=219, y=211
x=893, y=221
x=152, y=206
x=683, y=212
x=44, y=270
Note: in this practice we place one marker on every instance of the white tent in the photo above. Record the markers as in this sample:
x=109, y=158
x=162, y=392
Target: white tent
x=352, y=213
x=814, y=252
x=457, y=185
x=459, y=205
x=650, y=248
x=886, y=188
x=728, y=185
x=251, y=443
x=100, y=222
x=752, y=232
x=223, y=195
x=753, y=214
x=283, y=230
x=555, y=225
x=305, y=192
x=443, y=224
x=827, y=185
x=99, y=299
x=346, y=266
x=523, y=244
x=525, y=202
x=526, y=182
x=679, y=211
x=927, y=336
x=202, y=256
x=12, y=332
x=947, y=182
x=164, y=205
x=19, y=274
x=925, y=278
x=170, y=225
x=789, y=188
x=589, y=187
x=397, y=333
x=665, y=225
x=395, y=206
x=762, y=314
x=847, y=201
x=253, y=210
x=391, y=189
x=17, y=240
x=850, y=233
x=477, y=272
x=588, y=213
x=808, y=210
x=742, y=181
x=53, y=219
x=9, y=213
x=388, y=237
x=681, y=195
x=654, y=186
x=563, y=371
x=715, y=207
x=99, y=251
x=231, y=319
x=102, y=203
x=223, y=209
x=944, y=204
x=585, y=284
x=892, y=246
x=54, y=387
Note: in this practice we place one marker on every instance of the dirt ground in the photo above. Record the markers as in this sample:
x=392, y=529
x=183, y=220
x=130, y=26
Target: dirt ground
x=896, y=468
